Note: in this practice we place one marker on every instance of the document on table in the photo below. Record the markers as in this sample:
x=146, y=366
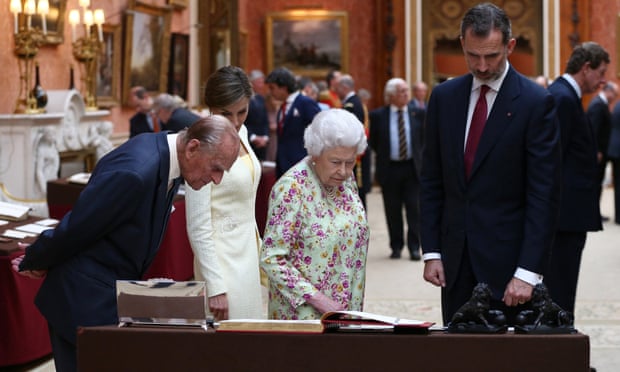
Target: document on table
x=33, y=228
x=14, y=234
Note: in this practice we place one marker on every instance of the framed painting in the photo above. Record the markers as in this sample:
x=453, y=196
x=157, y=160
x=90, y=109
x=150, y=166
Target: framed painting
x=145, y=61
x=179, y=62
x=54, y=22
x=109, y=67
x=308, y=42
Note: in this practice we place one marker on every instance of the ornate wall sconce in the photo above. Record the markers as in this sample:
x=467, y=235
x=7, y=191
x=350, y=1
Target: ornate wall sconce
x=28, y=39
x=86, y=49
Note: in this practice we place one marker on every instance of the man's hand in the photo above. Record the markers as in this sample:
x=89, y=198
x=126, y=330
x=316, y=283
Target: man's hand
x=517, y=292
x=33, y=274
x=260, y=141
x=218, y=306
x=433, y=273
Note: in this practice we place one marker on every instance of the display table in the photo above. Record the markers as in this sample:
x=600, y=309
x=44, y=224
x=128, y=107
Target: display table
x=182, y=349
x=174, y=259
x=23, y=330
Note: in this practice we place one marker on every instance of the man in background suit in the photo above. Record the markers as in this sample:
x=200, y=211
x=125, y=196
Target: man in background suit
x=142, y=121
x=116, y=226
x=257, y=120
x=420, y=92
x=397, y=168
x=490, y=176
x=579, y=204
x=172, y=113
x=345, y=88
x=599, y=115
x=295, y=114
x=613, y=154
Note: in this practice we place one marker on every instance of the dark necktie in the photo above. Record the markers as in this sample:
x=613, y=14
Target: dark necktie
x=476, y=127
x=282, y=115
x=402, y=137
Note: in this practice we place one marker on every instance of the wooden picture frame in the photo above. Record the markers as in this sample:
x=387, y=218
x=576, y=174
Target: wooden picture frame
x=308, y=42
x=178, y=73
x=179, y=4
x=147, y=30
x=109, y=67
x=55, y=22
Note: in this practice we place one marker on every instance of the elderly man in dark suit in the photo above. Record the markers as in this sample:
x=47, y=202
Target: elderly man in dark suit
x=490, y=175
x=172, y=113
x=599, y=115
x=345, y=88
x=295, y=114
x=396, y=137
x=116, y=226
x=579, y=207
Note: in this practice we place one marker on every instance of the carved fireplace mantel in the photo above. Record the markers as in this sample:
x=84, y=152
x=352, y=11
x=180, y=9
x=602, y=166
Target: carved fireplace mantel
x=30, y=145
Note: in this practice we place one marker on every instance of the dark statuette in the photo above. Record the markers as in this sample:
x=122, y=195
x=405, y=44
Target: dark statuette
x=476, y=316
x=545, y=316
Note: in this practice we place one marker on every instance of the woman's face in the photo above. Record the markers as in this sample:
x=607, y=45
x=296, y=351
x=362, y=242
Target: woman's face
x=335, y=165
x=236, y=112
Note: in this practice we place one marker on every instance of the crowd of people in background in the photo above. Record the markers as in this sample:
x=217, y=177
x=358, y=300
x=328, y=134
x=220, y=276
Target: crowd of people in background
x=498, y=177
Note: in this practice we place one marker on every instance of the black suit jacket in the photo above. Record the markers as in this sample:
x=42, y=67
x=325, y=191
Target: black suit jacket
x=113, y=232
x=613, y=150
x=139, y=124
x=506, y=213
x=380, y=140
x=600, y=119
x=257, y=122
x=579, y=208
x=354, y=105
x=181, y=118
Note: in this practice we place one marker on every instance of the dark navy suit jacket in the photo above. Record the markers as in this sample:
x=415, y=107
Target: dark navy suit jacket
x=139, y=124
x=113, y=232
x=291, y=141
x=180, y=119
x=579, y=207
x=506, y=213
x=613, y=150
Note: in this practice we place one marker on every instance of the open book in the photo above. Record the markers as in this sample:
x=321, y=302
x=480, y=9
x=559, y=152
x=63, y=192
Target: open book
x=348, y=321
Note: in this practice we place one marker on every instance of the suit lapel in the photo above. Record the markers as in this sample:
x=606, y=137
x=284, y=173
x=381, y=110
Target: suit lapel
x=499, y=119
x=458, y=124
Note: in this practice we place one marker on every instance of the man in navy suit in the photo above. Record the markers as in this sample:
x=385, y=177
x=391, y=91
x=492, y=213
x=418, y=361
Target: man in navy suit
x=257, y=121
x=398, y=172
x=295, y=114
x=599, y=115
x=579, y=205
x=142, y=120
x=172, y=114
x=345, y=88
x=489, y=212
x=116, y=226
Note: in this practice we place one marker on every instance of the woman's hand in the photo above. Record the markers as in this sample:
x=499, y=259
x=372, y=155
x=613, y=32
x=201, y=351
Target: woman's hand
x=324, y=304
x=218, y=306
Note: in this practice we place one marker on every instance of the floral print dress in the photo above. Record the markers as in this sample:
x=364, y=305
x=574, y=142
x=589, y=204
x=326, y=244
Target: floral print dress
x=313, y=241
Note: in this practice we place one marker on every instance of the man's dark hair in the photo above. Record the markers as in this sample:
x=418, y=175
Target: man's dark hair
x=282, y=77
x=586, y=52
x=483, y=18
x=140, y=92
x=330, y=76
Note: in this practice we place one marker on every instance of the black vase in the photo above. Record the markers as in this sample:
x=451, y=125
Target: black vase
x=38, y=92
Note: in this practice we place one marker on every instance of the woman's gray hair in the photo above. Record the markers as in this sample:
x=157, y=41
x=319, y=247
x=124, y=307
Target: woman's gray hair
x=334, y=128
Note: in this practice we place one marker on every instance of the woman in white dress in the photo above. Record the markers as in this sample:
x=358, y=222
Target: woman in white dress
x=220, y=218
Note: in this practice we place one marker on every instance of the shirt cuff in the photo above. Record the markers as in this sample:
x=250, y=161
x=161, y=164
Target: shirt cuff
x=528, y=276
x=431, y=256
x=252, y=137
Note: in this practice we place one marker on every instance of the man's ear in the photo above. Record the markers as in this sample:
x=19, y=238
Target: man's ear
x=192, y=148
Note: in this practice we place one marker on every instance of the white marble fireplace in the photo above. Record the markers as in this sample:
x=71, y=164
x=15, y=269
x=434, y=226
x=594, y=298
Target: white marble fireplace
x=30, y=144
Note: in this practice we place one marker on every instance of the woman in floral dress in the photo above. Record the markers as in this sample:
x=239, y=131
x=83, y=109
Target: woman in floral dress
x=316, y=238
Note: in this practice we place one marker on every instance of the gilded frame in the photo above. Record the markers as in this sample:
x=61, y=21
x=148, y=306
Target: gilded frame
x=303, y=41
x=178, y=71
x=179, y=4
x=147, y=30
x=55, y=22
x=109, y=67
